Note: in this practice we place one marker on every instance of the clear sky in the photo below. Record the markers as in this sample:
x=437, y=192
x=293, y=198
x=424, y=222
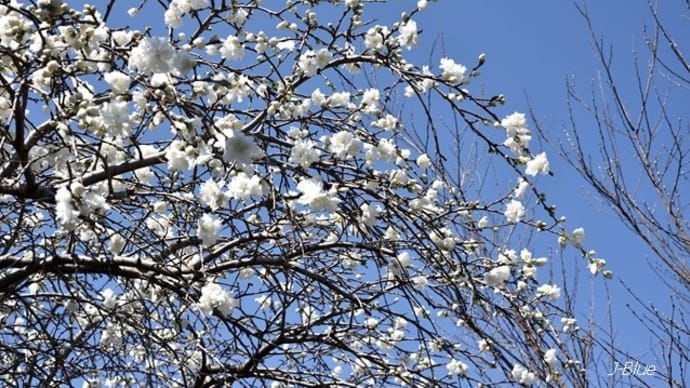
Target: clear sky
x=531, y=47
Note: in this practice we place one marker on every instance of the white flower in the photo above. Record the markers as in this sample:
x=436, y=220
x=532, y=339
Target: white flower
x=344, y=144
x=247, y=273
x=119, y=82
x=552, y=291
x=514, y=211
x=483, y=222
x=596, y=265
x=371, y=322
x=370, y=101
x=397, y=265
x=109, y=299
x=550, y=358
x=577, y=238
x=420, y=281
x=497, y=276
x=521, y=375
x=312, y=61
x=369, y=215
x=111, y=336
x=456, y=367
x=213, y=296
x=538, y=165
x=208, y=229
x=160, y=207
x=386, y=150
x=211, y=196
x=452, y=72
x=521, y=188
x=423, y=161
x=115, y=117
x=569, y=324
x=508, y=256
x=152, y=55
x=176, y=156
x=243, y=187
x=173, y=16
x=65, y=212
x=375, y=38
x=484, y=345
x=318, y=98
x=314, y=196
x=116, y=243
x=232, y=48
x=391, y=234
x=389, y=122
x=408, y=37
x=339, y=100
x=184, y=6
x=241, y=148
x=514, y=122
x=526, y=257
x=304, y=153
x=518, y=136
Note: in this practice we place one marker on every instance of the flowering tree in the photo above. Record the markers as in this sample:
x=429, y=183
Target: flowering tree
x=640, y=171
x=241, y=198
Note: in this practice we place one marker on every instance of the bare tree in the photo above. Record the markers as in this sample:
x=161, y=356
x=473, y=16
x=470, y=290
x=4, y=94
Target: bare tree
x=240, y=198
x=641, y=169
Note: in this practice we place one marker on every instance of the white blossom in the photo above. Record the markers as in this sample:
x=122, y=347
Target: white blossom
x=312, y=61
x=549, y=290
x=497, y=276
x=208, y=229
x=176, y=156
x=550, y=358
x=152, y=55
x=388, y=122
x=210, y=194
x=521, y=375
x=318, y=98
x=115, y=117
x=213, y=296
x=409, y=36
x=304, y=153
x=521, y=188
x=375, y=38
x=517, y=134
x=423, y=161
x=241, y=148
x=514, y=211
x=118, y=81
x=65, y=212
x=339, y=100
x=452, y=72
x=243, y=187
x=344, y=144
x=232, y=48
x=537, y=165
x=314, y=196
x=456, y=367
x=370, y=100
x=577, y=238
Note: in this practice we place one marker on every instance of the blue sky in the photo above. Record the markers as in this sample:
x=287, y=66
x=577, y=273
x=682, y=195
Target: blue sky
x=531, y=47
